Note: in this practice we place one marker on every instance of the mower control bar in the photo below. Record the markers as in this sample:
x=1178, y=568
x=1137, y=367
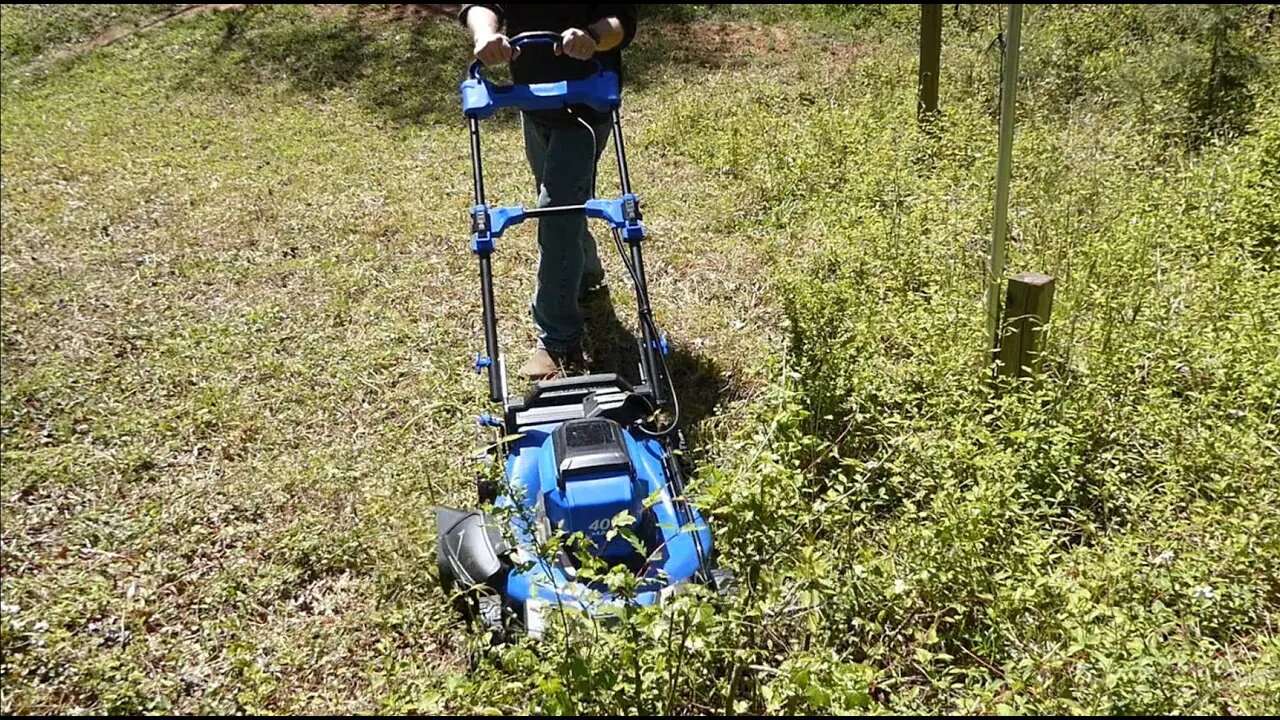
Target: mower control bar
x=602, y=91
x=554, y=211
x=488, y=223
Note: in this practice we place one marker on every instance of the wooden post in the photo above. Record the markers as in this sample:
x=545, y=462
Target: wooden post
x=1004, y=167
x=930, y=60
x=1026, y=311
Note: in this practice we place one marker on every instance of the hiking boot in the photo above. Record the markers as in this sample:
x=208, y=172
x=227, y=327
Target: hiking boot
x=547, y=365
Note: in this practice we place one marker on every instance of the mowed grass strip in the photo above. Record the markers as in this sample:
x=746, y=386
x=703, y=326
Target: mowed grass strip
x=239, y=313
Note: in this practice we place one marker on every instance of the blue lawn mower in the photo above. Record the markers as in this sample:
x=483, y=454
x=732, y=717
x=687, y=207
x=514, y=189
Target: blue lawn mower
x=580, y=454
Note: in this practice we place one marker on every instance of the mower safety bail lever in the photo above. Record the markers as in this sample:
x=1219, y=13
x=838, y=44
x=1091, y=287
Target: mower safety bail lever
x=536, y=36
x=531, y=37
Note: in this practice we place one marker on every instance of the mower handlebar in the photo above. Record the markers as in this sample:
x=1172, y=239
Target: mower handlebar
x=600, y=90
x=532, y=37
x=536, y=36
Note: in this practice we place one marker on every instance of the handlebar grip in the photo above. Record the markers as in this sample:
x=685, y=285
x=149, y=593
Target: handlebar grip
x=535, y=36
x=524, y=38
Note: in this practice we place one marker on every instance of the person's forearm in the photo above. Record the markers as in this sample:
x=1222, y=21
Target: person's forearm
x=482, y=22
x=610, y=31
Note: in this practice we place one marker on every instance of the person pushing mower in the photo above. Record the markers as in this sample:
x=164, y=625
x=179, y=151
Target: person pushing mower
x=563, y=147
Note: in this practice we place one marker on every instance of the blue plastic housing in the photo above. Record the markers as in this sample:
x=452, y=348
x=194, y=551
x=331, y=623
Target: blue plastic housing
x=531, y=475
x=588, y=504
x=481, y=98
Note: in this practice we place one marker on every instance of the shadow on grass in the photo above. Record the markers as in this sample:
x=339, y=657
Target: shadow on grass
x=402, y=62
x=700, y=384
x=403, y=66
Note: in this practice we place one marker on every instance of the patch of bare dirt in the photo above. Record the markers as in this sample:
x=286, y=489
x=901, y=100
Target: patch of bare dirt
x=391, y=12
x=119, y=32
x=716, y=44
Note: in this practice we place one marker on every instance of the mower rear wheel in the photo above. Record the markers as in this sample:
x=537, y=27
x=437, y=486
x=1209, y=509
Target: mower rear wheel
x=486, y=490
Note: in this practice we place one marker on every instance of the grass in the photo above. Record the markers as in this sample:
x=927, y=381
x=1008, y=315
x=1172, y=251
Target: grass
x=33, y=32
x=238, y=311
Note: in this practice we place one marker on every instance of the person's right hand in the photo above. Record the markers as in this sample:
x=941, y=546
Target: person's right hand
x=495, y=50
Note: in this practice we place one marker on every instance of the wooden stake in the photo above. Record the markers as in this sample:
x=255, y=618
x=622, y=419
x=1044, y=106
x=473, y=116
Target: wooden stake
x=930, y=60
x=1026, y=312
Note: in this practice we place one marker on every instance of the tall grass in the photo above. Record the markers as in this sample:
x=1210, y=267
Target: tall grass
x=1104, y=540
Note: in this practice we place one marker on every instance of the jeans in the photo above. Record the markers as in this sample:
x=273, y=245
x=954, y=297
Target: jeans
x=564, y=161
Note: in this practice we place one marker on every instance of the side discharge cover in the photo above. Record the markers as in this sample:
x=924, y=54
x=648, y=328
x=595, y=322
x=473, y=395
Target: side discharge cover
x=472, y=550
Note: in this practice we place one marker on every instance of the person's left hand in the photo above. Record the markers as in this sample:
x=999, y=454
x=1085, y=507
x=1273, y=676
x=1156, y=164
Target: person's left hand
x=576, y=44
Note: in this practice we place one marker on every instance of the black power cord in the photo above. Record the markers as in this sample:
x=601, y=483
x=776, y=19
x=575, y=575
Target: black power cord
x=646, y=310
x=646, y=316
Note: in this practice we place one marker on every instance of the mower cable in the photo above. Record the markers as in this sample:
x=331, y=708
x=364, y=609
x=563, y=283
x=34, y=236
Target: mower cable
x=646, y=316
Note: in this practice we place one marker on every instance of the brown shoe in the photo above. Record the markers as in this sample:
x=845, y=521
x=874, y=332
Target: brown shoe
x=539, y=366
x=544, y=365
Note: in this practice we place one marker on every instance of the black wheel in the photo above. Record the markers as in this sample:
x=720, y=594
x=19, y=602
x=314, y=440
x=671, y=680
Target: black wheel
x=445, y=573
x=725, y=582
x=486, y=490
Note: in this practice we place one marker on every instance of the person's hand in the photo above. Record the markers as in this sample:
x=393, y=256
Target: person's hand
x=495, y=49
x=576, y=44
